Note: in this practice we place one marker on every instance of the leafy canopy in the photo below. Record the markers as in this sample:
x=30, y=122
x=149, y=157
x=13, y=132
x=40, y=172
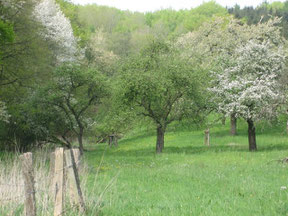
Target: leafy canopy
x=161, y=85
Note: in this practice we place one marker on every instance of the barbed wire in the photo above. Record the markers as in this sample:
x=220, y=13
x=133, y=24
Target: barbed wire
x=67, y=167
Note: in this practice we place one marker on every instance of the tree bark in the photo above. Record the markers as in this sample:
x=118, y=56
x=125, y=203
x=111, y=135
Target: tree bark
x=207, y=137
x=223, y=120
x=80, y=141
x=233, y=124
x=110, y=141
x=160, y=139
x=251, y=135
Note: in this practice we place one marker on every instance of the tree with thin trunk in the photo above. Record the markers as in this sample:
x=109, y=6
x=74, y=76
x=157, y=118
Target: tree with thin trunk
x=250, y=88
x=69, y=95
x=160, y=85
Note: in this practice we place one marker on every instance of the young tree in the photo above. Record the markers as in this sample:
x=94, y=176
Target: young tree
x=72, y=92
x=160, y=85
x=250, y=88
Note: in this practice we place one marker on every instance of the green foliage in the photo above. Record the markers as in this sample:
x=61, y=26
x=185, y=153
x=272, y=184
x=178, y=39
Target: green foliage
x=263, y=13
x=70, y=96
x=6, y=32
x=161, y=85
x=189, y=19
x=195, y=17
x=25, y=59
x=20, y=132
x=113, y=118
x=127, y=32
x=22, y=47
x=164, y=77
x=170, y=18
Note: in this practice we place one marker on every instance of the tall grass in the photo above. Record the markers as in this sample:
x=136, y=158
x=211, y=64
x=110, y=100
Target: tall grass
x=12, y=187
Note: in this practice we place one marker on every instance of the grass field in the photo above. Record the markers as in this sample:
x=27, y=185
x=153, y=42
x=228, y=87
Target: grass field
x=192, y=179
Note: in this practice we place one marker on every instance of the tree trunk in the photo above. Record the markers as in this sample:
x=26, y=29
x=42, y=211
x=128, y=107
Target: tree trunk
x=251, y=135
x=223, y=120
x=233, y=124
x=160, y=139
x=80, y=141
x=110, y=141
x=207, y=137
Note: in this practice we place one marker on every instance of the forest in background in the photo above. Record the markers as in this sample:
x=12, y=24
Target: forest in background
x=33, y=83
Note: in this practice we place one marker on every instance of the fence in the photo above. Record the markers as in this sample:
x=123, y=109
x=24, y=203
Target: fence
x=64, y=178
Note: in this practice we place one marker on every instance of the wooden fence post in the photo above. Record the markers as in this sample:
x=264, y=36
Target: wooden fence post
x=207, y=137
x=110, y=143
x=76, y=196
x=27, y=169
x=58, y=181
x=52, y=167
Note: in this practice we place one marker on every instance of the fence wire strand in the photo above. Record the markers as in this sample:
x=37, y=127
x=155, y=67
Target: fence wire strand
x=17, y=197
x=67, y=167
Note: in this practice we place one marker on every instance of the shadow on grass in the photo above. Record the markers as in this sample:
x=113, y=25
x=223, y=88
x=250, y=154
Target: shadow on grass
x=144, y=152
x=223, y=148
x=144, y=135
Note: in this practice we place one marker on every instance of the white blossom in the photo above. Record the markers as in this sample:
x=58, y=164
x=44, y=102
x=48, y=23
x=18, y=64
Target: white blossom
x=250, y=88
x=58, y=29
x=216, y=41
x=4, y=116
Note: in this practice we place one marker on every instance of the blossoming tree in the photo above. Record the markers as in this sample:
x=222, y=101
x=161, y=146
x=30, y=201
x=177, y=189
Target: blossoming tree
x=214, y=46
x=58, y=30
x=250, y=88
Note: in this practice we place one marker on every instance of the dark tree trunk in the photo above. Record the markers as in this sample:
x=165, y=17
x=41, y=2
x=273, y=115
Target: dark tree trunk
x=251, y=135
x=110, y=141
x=113, y=141
x=160, y=139
x=233, y=124
x=80, y=141
x=223, y=120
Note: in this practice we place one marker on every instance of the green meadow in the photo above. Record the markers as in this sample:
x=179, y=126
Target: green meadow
x=189, y=178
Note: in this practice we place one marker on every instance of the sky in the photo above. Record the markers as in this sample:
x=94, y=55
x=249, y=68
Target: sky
x=152, y=5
